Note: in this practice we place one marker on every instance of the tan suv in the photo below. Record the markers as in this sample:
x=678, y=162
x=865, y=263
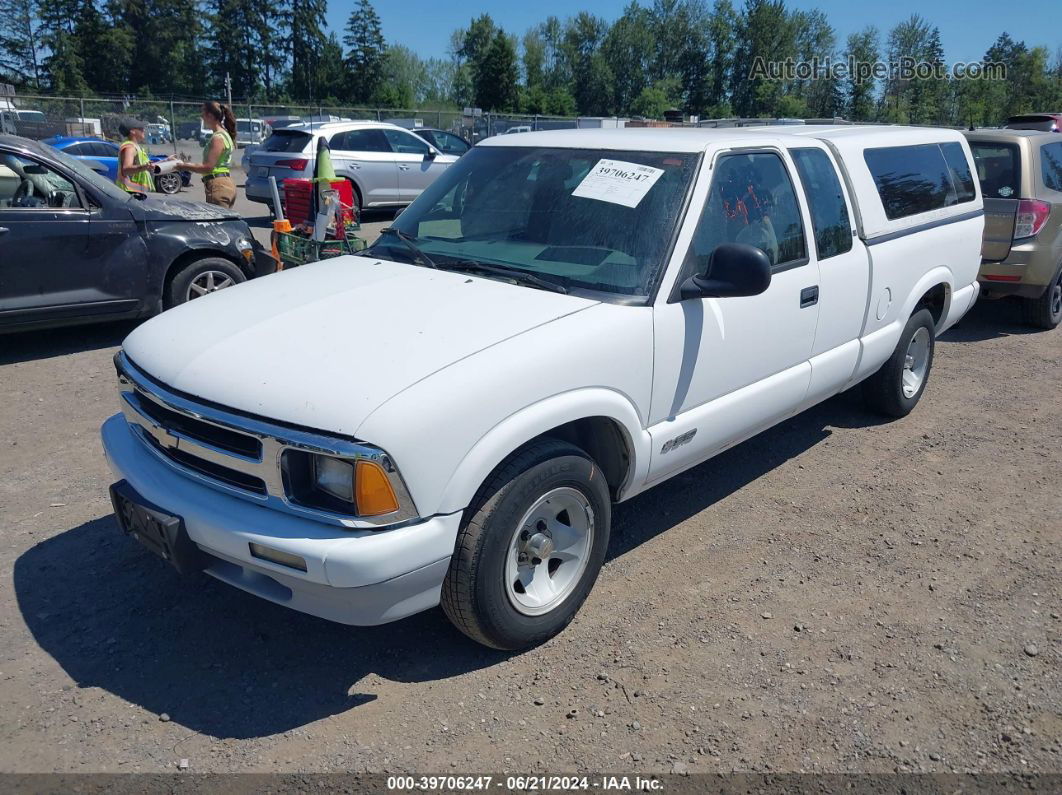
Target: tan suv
x=1021, y=180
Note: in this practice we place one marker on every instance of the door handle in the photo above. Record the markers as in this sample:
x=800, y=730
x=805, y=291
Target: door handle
x=809, y=296
x=4, y=230
x=404, y=168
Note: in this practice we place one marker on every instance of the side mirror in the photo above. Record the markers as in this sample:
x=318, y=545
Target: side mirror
x=431, y=154
x=734, y=270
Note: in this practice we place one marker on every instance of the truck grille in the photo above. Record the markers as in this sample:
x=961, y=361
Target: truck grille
x=238, y=453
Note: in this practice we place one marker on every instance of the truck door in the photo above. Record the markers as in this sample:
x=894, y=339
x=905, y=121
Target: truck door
x=726, y=368
x=844, y=271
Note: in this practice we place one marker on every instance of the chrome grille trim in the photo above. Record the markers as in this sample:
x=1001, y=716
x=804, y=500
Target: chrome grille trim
x=135, y=387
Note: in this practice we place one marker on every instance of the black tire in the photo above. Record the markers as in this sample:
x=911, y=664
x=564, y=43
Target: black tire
x=357, y=201
x=168, y=183
x=884, y=391
x=181, y=284
x=1046, y=311
x=474, y=593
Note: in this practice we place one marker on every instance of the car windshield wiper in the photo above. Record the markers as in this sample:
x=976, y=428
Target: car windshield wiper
x=517, y=275
x=408, y=239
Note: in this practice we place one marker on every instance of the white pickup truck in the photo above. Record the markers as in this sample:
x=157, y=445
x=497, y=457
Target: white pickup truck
x=561, y=321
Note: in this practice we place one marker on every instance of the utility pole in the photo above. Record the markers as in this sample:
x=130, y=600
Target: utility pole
x=228, y=89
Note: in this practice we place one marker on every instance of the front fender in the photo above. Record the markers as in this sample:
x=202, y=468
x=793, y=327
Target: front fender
x=521, y=427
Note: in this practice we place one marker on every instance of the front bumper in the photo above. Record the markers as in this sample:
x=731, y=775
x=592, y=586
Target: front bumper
x=360, y=577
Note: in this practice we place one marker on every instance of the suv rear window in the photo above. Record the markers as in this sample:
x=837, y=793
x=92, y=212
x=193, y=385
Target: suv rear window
x=1051, y=165
x=917, y=179
x=286, y=141
x=998, y=169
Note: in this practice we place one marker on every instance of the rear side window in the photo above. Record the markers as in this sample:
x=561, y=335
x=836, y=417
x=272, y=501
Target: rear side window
x=286, y=141
x=917, y=179
x=829, y=213
x=998, y=169
x=959, y=168
x=360, y=141
x=1051, y=166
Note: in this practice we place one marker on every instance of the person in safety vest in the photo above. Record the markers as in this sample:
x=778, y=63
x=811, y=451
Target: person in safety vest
x=134, y=166
x=217, y=154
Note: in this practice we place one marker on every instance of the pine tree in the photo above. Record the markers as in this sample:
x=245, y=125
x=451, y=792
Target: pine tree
x=63, y=67
x=19, y=43
x=306, y=44
x=366, y=49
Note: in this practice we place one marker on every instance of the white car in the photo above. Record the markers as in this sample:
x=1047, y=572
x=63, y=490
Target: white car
x=561, y=321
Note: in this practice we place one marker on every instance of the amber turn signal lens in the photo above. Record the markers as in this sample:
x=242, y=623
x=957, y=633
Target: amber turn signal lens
x=373, y=491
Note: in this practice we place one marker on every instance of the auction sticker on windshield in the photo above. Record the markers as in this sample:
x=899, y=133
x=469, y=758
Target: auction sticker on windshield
x=618, y=182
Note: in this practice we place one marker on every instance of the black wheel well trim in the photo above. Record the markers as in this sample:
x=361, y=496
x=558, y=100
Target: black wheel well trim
x=604, y=440
x=936, y=300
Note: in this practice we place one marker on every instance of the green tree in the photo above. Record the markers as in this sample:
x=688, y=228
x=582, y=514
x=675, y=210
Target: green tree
x=365, y=51
x=629, y=51
x=722, y=28
x=496, y=87
x=63, y=68
x=765, y=33
x=591, y=77
x=20, y=43
x=306, y=44
x=859, y=93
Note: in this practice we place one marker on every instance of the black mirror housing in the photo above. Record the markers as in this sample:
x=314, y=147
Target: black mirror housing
x=734, y=270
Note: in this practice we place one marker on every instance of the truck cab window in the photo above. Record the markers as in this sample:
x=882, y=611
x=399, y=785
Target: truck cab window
x=829, y=213
x=751, y=201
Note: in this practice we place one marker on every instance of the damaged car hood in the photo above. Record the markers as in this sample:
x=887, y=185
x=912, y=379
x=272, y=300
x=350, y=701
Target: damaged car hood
x=166, y=209
x=322, y=346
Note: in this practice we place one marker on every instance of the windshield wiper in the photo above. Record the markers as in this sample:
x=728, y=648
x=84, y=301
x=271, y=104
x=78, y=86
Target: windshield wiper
x=408, y=239
x=517, y=275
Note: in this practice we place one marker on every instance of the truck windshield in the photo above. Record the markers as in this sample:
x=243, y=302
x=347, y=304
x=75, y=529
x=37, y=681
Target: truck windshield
x=582, y=218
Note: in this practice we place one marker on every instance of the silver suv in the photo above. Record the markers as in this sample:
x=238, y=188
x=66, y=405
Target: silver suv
x=388, y=165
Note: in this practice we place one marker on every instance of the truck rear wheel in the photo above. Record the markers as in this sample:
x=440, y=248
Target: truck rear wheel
x=1046, y=311
x=896, y=388
x=530, y=548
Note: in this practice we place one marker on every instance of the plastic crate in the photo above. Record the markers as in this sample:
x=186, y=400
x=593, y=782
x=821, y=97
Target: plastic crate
x=298, y=249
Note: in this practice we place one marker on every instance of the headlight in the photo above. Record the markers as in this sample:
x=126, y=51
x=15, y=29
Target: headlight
x=246, y=247
x=334, y=476
x=355, y=487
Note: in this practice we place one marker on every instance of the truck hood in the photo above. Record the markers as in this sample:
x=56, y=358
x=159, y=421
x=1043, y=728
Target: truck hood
x=160, y=209
x=323, y=345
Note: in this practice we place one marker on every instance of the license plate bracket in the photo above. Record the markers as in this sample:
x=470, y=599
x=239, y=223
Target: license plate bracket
x=162, y=533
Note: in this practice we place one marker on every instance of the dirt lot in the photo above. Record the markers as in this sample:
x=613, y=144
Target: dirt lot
x=838, y=594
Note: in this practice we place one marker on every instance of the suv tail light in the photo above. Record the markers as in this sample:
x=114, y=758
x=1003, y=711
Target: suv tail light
x=1032, y=215
x=297, y=165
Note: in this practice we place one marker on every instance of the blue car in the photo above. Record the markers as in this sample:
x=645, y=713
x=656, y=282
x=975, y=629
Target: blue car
x=105, y=153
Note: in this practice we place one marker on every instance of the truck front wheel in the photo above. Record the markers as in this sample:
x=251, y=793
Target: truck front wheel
x=895, y=389
x=530, y=548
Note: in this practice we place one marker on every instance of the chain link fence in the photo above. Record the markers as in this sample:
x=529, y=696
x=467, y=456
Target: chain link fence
x=172, y=123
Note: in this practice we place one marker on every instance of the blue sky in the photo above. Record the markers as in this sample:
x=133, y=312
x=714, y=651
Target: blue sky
x=968, y=27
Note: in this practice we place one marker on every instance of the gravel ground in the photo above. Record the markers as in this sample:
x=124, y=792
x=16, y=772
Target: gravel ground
x=837, y=594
